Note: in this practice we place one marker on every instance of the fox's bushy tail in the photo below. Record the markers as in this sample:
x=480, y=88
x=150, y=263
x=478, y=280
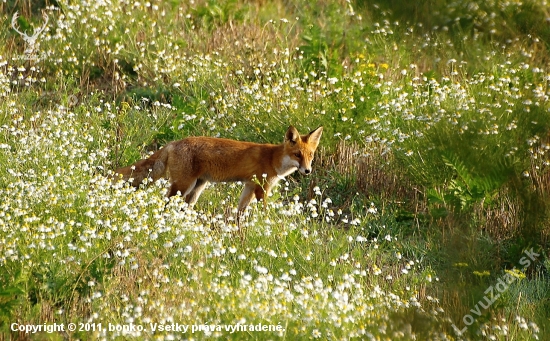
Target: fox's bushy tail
x=153, y=167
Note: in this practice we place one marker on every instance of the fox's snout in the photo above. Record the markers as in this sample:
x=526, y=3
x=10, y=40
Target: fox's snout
x=305, y=171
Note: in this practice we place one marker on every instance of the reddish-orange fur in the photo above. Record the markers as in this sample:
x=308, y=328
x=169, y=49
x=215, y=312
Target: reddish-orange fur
x=192, y=162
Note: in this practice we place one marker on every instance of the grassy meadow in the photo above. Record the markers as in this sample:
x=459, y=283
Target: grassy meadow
x=426, y=216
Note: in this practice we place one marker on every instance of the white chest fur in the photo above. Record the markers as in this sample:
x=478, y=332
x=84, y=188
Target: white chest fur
x=288, y=166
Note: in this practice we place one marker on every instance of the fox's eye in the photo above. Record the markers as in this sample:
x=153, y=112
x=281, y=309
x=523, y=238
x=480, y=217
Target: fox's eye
x=298, y=154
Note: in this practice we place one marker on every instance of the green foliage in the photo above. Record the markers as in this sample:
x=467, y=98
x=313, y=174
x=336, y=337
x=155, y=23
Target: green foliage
x=216, y=13
x=466, y=187
x=488, y=19
x=12, y=292
x=529, y=297
x=317, y=56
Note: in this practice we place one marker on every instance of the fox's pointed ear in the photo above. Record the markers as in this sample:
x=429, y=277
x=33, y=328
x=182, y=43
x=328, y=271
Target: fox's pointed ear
x=292, y=135
x=315, y=136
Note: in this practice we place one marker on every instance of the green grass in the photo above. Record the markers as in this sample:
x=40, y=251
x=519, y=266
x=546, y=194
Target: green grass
x=430, y=183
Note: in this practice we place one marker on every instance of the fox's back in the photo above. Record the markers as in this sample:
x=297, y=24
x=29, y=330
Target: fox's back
x=219, y=159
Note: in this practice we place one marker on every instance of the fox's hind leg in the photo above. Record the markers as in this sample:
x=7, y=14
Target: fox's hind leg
x=184, y=187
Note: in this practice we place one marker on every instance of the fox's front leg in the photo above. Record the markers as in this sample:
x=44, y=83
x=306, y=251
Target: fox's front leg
x=250, y=191
x=246, y=197
x=261, y=194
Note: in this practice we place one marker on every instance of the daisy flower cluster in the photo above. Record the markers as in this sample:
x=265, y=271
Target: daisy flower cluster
x=133, y=256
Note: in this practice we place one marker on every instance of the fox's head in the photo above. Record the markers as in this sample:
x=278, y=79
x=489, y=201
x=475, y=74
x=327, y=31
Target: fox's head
x=300, y=149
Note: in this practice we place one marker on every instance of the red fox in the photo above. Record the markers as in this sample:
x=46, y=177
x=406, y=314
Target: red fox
x=192, y=162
